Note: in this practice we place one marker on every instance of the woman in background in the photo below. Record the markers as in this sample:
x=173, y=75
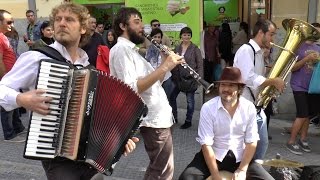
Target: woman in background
x=111, y=38
x=182, y=79
x=225, y=44
x=46, y=35
x=241, y=37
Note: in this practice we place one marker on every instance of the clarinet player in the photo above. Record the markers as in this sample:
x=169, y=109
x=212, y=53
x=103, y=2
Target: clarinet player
x=70, y=23
x=128, y=65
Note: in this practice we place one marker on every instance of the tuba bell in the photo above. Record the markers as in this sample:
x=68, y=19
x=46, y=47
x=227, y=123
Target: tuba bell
x=298, y=31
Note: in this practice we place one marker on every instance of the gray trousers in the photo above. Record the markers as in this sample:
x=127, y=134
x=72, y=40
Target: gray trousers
x=158, y=145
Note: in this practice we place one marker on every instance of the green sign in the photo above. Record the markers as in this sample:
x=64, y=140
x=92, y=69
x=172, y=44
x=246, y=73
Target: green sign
x=173, y=16
x=98, y=1
x=218, y=11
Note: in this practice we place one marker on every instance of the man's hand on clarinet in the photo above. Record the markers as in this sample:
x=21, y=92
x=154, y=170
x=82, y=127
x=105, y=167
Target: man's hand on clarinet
x=171, y=61
x=130, y=146
x=34, y=100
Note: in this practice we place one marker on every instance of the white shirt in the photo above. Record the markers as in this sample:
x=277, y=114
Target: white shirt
x=252, y=75
x=24, y=73
x=223, y=133
x=128, y=65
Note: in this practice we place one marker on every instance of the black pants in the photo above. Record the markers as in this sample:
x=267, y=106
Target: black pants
x=61, y=169
x=198, y=170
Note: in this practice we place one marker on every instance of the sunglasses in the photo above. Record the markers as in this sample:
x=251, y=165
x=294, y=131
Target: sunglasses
x=10, y=22
x=156, y=25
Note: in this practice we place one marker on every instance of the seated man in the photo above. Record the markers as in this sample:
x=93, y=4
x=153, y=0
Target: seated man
x=228, y=134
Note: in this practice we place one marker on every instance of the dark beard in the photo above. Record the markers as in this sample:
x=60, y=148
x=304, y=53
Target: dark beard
x=135, y=37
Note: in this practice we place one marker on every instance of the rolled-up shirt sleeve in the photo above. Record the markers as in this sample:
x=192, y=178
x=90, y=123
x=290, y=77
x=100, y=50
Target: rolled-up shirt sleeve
x=8, y=98
x=252, y=127
x=23, y=76
x=205, y=128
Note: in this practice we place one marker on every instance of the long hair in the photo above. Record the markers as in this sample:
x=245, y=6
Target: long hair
x=123, y=17
x=111, y=44
x=82, y=13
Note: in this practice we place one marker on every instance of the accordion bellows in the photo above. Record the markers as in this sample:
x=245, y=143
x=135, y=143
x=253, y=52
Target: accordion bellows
x=92, y=116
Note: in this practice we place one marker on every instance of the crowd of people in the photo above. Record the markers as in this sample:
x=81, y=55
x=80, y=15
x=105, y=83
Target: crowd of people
x=232, y=131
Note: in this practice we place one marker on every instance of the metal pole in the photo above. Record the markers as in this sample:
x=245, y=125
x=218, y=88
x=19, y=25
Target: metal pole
x=312, y=11
x=32, y=6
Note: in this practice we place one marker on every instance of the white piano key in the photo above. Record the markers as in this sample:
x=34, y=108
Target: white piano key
x=40, y=116
x=50, y=140
x=54, y=68
x=46, y=76
x=35, y=144
x=40, y=150
x=34, y=154
x=46, y=83
x=43, y=63
x=38, y=133
x=41, y=78
x=33, y=121
x=60, y=75
x=34, y=126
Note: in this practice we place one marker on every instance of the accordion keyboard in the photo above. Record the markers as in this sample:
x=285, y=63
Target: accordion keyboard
x=43, y=136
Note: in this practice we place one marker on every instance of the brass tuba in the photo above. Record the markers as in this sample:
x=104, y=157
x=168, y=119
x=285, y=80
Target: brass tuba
x=297, y=32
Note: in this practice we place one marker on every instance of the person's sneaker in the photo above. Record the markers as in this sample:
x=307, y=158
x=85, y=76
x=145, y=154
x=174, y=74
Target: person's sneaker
x=304, y=145
x=185, y=125
x=294, y=148
x=22, y=132
x=16, y=139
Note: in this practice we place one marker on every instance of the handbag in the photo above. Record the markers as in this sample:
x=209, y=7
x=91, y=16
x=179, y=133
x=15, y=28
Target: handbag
x=186, y=83
x=314, y=86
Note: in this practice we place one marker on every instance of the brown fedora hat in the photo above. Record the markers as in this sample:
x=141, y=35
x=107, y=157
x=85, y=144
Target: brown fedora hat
x=231, y=75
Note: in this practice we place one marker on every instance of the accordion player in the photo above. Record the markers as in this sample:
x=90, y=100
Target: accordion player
x=92, y=115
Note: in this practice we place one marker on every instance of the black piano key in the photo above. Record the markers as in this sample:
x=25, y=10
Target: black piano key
x=48, y=125
x=53, y=93
x=44, y=153
x=46, y=148
x=56, y=71
x=47, y=130
x=49, y=120
x=59, y=67
x=43, y=141
x=44, y=136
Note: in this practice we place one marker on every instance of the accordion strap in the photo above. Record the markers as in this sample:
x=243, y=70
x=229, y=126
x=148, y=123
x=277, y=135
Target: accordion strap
x=51, y=53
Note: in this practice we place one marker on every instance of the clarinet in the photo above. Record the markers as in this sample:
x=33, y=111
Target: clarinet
x=207, y=86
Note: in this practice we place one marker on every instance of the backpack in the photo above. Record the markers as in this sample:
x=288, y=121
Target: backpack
x=103, y=58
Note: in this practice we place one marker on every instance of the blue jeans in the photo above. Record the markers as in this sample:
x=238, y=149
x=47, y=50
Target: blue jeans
x=262, y=145
x=190, y=102
x=167, y=86
x=11, y=123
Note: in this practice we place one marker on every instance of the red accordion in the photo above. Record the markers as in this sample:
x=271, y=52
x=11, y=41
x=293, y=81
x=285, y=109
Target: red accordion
x=92, y=116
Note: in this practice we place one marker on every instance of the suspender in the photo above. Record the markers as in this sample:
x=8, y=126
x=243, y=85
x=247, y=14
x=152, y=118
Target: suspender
x=254, y=64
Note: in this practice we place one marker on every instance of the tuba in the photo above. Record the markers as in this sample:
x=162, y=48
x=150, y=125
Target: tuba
x=298, y=31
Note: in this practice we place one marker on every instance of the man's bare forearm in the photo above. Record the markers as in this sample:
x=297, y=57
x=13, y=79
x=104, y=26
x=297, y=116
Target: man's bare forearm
x=210, y=159
x=249, y=151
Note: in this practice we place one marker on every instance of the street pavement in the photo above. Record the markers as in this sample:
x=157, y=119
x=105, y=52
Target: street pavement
x=14, y=167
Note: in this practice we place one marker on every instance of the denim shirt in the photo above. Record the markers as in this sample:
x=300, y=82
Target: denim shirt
x=36, y=32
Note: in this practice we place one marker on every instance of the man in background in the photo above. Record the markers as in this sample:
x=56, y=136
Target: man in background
x=11, y=123
x=33, y=29
x=155, y=23
x=91, y=48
